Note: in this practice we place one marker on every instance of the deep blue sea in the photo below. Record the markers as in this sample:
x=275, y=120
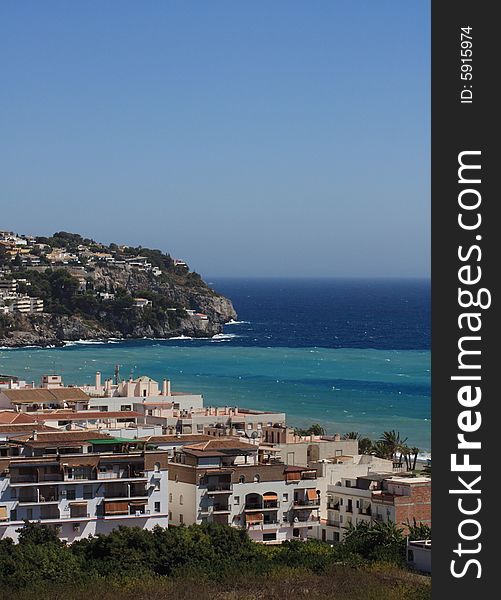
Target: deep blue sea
x=353, y=355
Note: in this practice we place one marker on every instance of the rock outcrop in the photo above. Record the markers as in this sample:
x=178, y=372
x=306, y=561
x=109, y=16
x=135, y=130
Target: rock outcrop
x=183, y=292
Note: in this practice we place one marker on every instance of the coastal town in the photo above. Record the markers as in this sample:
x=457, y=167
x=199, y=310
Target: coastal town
x=35, y=253
x=66, y=287
x=87, y=459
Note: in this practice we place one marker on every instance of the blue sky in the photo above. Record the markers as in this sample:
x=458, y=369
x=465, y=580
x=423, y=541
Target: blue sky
x=249, y=138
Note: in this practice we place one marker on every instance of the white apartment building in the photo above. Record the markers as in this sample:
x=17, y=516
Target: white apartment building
x=176, y=412
x=305, y=450
x=81, y=484
x=375, y=497
x=222, y=481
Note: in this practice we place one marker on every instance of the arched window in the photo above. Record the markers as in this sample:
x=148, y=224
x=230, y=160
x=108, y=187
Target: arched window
x=156, y=467
x=181, y=499
x=241, y=479
x=257, y=479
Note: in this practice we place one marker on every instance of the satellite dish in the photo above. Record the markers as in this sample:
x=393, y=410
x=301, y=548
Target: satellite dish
x=254, y=435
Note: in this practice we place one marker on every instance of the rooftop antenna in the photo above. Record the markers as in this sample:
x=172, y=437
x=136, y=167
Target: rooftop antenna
x=117, y=374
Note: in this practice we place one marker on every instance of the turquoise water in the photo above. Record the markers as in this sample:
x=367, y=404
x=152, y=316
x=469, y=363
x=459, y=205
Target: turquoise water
x=344, y=389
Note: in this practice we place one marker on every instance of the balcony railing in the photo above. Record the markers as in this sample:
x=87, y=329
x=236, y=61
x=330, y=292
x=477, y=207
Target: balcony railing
x=300, y=503
x=221, y=508
x=262, y=525
x=222, y=487
x=38, y=500
x=311, y=520
x=333, y=523
x=333, y=505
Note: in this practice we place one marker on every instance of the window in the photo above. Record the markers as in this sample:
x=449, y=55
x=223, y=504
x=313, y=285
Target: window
x=71, y=494
x=236, y=500
x=269, y=537
x=181, y=499
x=285, y=517
x=101, y=470
x=170, y=515
x=335, y=537
x=257, y=479
x=170, y=497
x=340, y=502
x=358, y=503
x=87, y=492
x=157, y=506
x=340, y=518
x=181, y=519
x=13, y=514
x=125, y=407
x=348, y=483
x=156, y=468
x=241, y=479
x=285, y=497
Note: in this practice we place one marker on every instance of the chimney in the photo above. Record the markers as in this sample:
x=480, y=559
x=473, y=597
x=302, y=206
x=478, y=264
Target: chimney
x=34, y=435
x=337, y=437
x=166, y=387
x=98, y=380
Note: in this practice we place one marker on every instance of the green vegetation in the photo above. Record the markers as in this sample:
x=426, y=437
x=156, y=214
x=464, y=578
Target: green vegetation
x=216, y=560
x=314, y=429
x=389, y=446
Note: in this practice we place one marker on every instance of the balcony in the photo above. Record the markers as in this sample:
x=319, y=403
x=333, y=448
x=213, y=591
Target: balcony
x=305, y=521
x=221, y=508
x=303, y=504
x=263, y=526
x=49, y=512
x=34, y=496
x=222, y=488
x=266, y=505
x=333, y=505
x=333, y=523
x=125, y=491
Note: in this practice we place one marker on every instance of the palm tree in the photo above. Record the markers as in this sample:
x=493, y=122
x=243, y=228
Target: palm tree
x=365, y=445
x=351, y=435
x=315, y=429
x=381, y=450
x=393, y=442
x=415, y=451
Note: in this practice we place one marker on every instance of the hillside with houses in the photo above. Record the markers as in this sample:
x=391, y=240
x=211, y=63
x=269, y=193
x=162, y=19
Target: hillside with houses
x=67, y=287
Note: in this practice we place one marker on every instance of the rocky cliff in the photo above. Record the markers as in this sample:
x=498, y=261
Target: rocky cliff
x=173, y=297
